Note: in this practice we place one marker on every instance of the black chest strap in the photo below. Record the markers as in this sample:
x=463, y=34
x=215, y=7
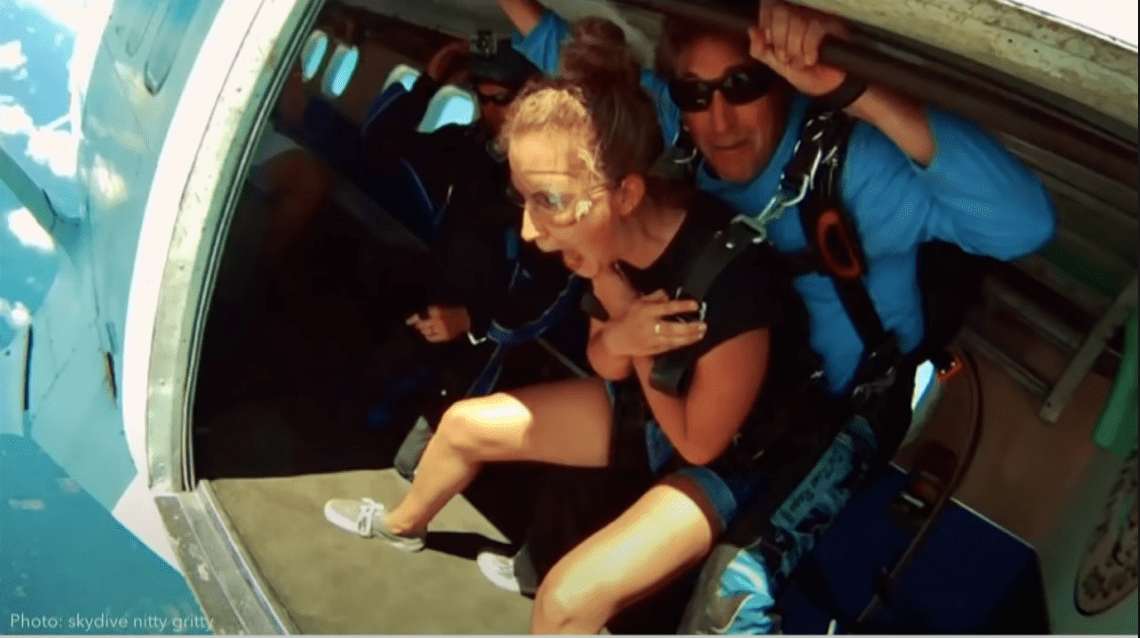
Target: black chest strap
x=672, y=371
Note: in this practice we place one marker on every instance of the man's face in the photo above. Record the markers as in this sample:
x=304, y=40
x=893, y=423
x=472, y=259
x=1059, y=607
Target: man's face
x=494, y=98
x=737, y=140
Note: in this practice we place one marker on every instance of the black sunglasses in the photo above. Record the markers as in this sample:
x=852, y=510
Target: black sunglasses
x=738, y=87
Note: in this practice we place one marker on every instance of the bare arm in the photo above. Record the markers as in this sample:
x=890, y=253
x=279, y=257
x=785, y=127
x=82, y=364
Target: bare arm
x=607, y=364
x=726, y=383
x=635, y=326
x=787, y=38
x=524, y=14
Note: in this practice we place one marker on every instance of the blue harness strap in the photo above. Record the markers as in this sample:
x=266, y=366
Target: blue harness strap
x=505, y=339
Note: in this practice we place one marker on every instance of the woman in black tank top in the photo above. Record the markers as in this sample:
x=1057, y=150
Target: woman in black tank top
x=582, y=149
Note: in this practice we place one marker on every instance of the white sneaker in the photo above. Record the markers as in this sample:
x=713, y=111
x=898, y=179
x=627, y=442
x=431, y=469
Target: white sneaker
x=499, y=569
x=366, y=518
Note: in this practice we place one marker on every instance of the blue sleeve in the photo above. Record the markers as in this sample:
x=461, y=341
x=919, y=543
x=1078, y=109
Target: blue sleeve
x=975, y=193
x=543, y=45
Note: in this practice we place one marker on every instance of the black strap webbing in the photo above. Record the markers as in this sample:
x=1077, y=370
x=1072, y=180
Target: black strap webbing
x=673, y=370
x=835, y=241
x=725, y=246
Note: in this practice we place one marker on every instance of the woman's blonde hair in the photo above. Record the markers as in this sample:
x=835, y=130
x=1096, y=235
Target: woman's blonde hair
x=597, y=94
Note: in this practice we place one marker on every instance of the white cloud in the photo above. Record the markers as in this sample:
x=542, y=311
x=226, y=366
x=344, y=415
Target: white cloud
x=15, y=313
x=26, y=229
x=85, y=20
x=47, y=145
x=55, y=149
x=66, y=13
x=12, y=56
x=14, y=120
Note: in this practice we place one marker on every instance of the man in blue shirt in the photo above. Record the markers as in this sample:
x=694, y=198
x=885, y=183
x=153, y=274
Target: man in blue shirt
x=911, y=174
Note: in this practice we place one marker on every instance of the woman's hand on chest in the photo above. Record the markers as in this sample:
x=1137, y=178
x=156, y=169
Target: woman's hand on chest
x=644, y=330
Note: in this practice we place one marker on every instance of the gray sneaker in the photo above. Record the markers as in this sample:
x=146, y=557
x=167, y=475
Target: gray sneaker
x=499, y=569
x=366, y=518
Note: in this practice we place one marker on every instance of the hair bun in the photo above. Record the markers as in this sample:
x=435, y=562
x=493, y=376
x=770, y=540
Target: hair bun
x=598, y=52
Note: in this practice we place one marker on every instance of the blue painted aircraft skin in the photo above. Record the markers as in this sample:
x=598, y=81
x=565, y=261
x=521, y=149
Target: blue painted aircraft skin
x=87, y=91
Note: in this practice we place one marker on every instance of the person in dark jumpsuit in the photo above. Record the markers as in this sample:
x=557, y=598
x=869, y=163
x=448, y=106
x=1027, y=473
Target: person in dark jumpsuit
x=449, y=187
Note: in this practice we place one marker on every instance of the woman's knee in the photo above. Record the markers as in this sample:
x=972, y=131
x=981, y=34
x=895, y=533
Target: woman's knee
x=473, y=428
x=565, y=604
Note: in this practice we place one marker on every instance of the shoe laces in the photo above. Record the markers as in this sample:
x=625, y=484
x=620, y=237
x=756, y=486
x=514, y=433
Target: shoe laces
x=505, y=566
x=368, y=509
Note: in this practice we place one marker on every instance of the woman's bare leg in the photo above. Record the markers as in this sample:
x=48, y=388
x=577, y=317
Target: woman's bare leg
x=668, y=530
x=564, y=423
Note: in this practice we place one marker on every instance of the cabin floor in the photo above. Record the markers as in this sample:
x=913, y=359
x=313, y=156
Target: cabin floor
x=334, y=582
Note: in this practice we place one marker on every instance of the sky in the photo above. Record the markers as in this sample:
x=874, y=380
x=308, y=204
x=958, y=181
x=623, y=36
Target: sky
x=1116, y=18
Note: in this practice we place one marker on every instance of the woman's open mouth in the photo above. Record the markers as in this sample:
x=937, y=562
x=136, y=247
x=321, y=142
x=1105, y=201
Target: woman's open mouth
x=573, y=260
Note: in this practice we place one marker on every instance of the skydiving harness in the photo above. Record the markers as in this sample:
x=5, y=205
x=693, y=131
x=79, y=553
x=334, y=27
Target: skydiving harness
x=507, y=338
x=811, y=180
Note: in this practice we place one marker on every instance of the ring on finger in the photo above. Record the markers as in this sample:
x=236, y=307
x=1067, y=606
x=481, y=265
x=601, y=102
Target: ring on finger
x=657, y=328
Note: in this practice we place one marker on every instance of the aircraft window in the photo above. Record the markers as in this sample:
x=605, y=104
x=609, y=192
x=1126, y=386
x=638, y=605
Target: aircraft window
x=340, y=69
x=313, y=54
x=403, y=74
x=450, y=105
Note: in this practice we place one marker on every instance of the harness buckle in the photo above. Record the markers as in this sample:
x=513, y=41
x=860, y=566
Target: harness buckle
x=758, y=227
x=880, y=370
x=876, y=386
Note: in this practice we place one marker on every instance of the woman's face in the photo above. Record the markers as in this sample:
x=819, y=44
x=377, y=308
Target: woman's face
x=566, y=207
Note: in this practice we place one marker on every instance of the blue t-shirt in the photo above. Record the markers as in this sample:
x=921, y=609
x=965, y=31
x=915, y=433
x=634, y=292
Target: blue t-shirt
x=975, y=194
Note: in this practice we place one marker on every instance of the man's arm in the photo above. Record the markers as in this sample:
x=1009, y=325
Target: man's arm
x=919, y=173
x=472, y=267
x=541, y=34
x=788, y=38
x=391, y=121
x=525, y=14
x=974, y=193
